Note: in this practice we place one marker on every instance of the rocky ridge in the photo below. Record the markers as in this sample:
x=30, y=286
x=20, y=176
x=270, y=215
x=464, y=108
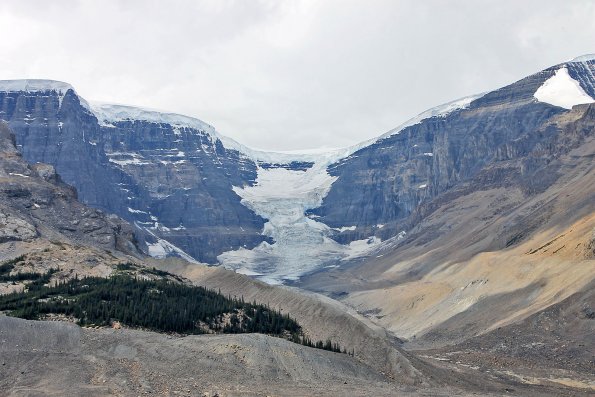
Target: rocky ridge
x=35, y=202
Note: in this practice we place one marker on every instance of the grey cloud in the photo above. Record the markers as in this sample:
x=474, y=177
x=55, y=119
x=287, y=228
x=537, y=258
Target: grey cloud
x=289, y=75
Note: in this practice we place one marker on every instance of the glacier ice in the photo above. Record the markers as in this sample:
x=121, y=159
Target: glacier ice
x=301, y=244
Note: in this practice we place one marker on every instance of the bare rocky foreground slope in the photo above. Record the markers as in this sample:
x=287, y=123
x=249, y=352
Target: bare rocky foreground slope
x=57, y=358
x=43, y=358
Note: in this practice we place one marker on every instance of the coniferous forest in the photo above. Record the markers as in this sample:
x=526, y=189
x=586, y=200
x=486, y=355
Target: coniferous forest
x=159, y=305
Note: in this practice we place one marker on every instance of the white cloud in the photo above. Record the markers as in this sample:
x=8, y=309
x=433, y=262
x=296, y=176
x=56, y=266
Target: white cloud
x=290, y=74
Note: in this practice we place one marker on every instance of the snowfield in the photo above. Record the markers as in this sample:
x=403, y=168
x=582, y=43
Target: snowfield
x=40, y=85
x=562, y=90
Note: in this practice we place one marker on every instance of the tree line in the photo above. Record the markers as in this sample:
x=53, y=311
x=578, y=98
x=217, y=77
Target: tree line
x=157, y=305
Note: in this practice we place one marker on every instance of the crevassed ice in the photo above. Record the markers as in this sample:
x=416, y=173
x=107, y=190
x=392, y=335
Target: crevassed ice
x=283, y=196
x=562, y=90
x=300, y=244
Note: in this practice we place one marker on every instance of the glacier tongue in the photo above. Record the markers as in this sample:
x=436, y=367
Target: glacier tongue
x=300, y=244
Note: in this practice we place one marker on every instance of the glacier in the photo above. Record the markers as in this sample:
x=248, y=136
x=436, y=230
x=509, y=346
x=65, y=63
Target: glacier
x=282, y=195
x=301, y=244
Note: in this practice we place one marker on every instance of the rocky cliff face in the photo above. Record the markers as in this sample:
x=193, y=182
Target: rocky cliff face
x=173, y=182
x=178, y=185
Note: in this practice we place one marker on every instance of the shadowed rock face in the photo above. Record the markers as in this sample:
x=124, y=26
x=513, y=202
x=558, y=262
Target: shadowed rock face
x=385, y=182
x=179, y=183
x=175, y=181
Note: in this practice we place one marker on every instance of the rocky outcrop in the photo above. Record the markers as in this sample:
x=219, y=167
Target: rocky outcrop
x=15, y=229
x=35, y=202
x=590, y=246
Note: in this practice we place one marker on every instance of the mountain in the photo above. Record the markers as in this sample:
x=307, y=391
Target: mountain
x=169, y=179
x=412, y=165
x=457, y=251
x=193, y=193
x=495, y=271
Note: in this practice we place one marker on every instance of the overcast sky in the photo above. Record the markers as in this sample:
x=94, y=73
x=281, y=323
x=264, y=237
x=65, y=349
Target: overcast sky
x=287, y=75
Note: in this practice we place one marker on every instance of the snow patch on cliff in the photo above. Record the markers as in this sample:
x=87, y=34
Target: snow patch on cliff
x=438, y=111
x=108, y=113
x=126, y=158
x=562, y=90
x=345, y=228
x=162, y=249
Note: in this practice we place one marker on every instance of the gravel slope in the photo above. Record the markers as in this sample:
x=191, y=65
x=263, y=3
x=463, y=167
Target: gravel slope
x=57, y=359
